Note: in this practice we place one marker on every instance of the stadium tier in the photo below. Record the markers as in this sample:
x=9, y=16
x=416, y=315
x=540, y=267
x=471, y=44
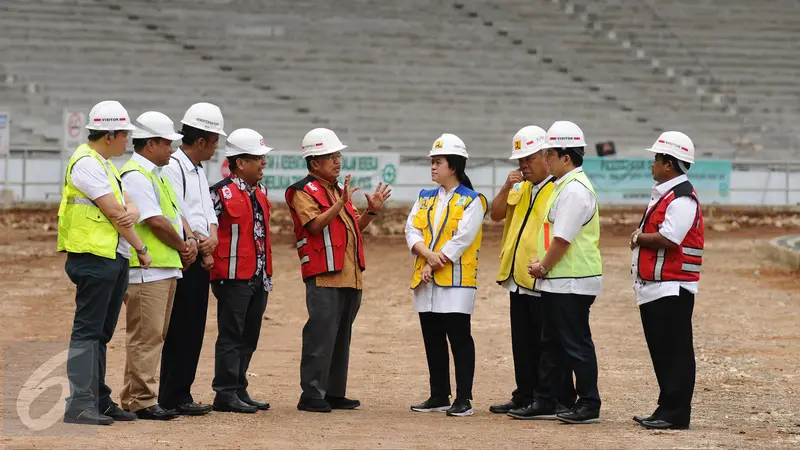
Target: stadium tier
x=395, y=75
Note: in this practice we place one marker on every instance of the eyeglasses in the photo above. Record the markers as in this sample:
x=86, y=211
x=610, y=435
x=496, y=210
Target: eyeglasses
x=333, y=156
x=254, y=158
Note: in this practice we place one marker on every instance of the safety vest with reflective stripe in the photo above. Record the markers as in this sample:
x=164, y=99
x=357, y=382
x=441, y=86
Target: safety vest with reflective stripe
x=679, y=264
x=236, y=256
x=582, y=259
x=163, y=255
x=521, y=232
x=82, y=226
x=324, y=252
x=464, y=271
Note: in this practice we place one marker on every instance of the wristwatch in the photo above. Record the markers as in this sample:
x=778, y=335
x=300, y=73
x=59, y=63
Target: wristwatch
x=191, y=237
x=635, y=239
x=543, y=269
x=142, y=251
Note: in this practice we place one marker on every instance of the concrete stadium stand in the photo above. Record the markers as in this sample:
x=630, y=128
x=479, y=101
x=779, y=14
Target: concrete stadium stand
x=786, y=250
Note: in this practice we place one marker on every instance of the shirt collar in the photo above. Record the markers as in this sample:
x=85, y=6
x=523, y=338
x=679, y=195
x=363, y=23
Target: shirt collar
x=660, y=189
x=575, y=170
x=541, y=185
x=323, y=181
x=241, y=184
x=146, y=164
x=444, y=192
x=185, y=160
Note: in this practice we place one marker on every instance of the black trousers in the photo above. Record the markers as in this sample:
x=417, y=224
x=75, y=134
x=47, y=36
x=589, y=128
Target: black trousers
x=437, y=328
x=326, y=339
x=240, y=312
x=667, y=324
x=184, y=340
x=526, y=336
x=567, y=342
x=101, y=284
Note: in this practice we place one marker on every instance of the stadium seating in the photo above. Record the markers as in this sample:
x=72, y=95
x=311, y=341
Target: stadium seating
x=395, y=75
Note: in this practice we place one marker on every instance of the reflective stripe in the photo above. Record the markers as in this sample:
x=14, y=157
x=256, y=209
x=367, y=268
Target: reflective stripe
x=686, y=267
x=301, y=242
x=691, y=251
x=326, y=234
x=80, y=201
x=659, y=264
x=233, y=251
x=457, y=272
x=304, y=260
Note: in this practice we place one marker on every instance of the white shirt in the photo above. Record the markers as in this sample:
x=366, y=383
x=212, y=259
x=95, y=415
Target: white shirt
x=92, y=180
x=509, y=283
x=194, y=196
x=678, y=220
x=147, y=198
x=438, y=299
x=574, y=206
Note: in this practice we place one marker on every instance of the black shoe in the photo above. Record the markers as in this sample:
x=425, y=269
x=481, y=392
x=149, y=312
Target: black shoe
x=314, y=405
x=561, y=409
x=432, y=405
x=193, y=409
x=662, y=425
x=504, y=408
x=118, y=414
x=342, y=402
x=460, y=408
x=156, y=412
x=640, y=419
x=580, y=415
x=245, y=397
x=535, y=411
x=233, y=404
x=88, y=416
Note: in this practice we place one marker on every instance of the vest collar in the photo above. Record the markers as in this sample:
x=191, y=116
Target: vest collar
x=575, y=170
x=146, y=164
x=660, y=189
x=541, y=185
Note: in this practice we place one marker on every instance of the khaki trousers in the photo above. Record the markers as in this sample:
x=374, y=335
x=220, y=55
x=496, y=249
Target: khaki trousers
x=149, y=306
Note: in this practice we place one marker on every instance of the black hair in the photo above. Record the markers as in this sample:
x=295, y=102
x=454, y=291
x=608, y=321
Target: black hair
x=676, y=164
x=575, y=154
x=139, y=144
x=308, y=162
x=192, y=135
x=232, y=162
x=96, y=135
x=459, y=164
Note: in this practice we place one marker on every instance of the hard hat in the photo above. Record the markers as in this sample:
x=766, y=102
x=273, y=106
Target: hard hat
x=674, y=143
x=155, y=124
x=245, y=141
x=321, y=141
x=527, y=141
x=204, y=116
x=564, y=134
x=448, y=144
x=109, y=115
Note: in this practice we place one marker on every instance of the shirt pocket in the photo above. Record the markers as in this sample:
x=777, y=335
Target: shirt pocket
x=236, y=208
x=420, y=219
x=96, y=215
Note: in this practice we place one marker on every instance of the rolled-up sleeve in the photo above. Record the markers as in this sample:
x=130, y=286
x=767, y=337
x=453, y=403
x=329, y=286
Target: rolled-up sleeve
x=466, y=232
x=413, y=234
x=143, y=194
x=679, y=219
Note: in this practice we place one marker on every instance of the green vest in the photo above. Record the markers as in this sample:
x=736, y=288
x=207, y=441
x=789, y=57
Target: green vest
x=582, y=260
x=82, y=226
x=163, y=255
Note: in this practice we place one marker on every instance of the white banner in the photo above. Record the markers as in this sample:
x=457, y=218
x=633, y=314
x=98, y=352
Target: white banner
x=75, y=132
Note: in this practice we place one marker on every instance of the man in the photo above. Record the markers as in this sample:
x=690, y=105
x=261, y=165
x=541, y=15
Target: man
x=95, y=228
x=241, y=276
x=325, y=219
x=667, y=255
x=571, y=274
x=150, y=292
x=521, y=202
x=202, y=127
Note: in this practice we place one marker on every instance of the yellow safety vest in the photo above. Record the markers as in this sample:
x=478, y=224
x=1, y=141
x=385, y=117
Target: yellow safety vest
x=82, y=226
x=464, y=271
x=582, y=260
x=163, y=255
x=521, y=232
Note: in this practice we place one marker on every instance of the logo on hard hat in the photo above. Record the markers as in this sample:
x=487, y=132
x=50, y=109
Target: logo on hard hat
x=517, y=145
x=438, y=144
x=262, y=142
x=661, y=141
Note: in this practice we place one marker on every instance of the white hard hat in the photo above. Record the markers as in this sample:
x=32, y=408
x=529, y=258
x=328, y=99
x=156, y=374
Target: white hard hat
x=245, y=141
x=448, y=144
x=321, y=141
x=675, y=143
x=564, y=134
x=528, y=141
x=155, y=124
x=109, y=115
x=205, y=116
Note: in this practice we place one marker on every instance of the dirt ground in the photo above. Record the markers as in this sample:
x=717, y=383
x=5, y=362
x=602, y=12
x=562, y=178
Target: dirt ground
x=747, y=340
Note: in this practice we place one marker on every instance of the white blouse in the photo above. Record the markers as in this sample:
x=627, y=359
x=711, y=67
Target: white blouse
x=438, y=299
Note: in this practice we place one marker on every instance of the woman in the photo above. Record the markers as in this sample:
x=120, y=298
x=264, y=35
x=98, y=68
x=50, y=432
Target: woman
x=443, y=231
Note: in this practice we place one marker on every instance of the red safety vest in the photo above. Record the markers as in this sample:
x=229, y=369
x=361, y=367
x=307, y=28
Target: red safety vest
x=235, y=255
x=681, y=263
x=325, y=252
